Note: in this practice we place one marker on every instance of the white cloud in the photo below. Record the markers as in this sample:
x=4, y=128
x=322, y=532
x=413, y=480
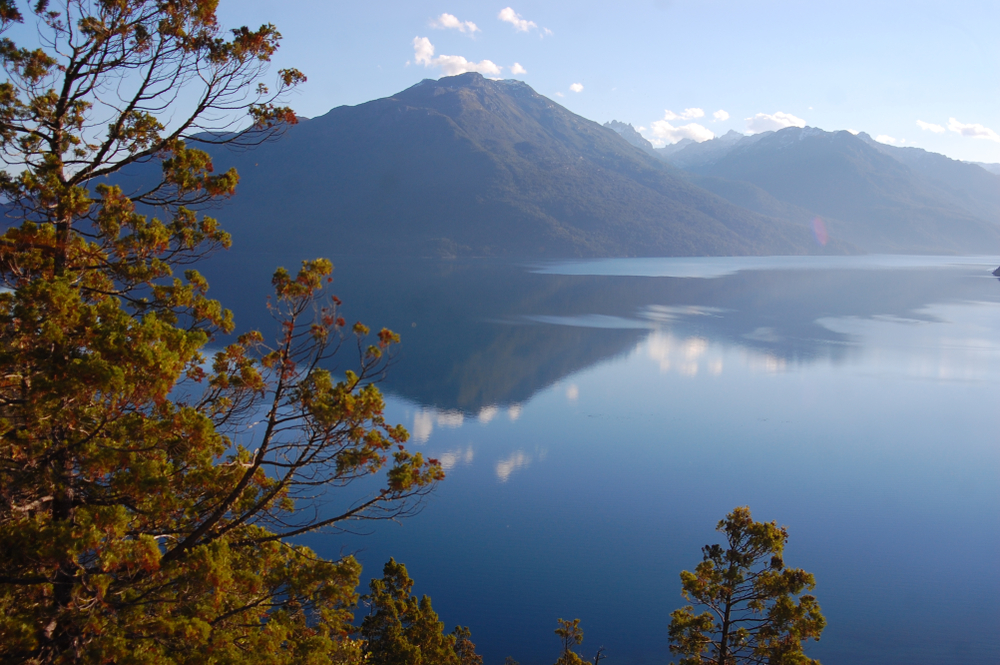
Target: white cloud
x=573, y=392
x=508, y=15
x=423, y=54
x=518, y=69
x=885, y=138
x=930, y=127
x=720, y=115
x=452, y=22
x=546, y=32
x=559, y=94
x=975, y=131
x=423, y=50
x=664, y=132
x=763, y=122
x=576, y=87
x=688, y=114
x=853, y=131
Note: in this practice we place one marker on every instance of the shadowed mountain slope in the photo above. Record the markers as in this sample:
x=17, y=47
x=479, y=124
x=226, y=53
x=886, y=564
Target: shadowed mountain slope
x=969, y=186
x=469, y=166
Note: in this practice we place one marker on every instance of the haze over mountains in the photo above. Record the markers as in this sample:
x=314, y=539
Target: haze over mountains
x=466, y=166
x=878, y=197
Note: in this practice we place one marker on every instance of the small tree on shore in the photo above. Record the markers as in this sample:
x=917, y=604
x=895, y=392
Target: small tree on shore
x=756, y=611
x=402, y=629
x=147, y=493
x=571, y=635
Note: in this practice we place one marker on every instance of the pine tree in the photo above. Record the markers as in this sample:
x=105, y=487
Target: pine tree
x=756, y=611
x=401, y=629
x=147, y=493
x=570, y=634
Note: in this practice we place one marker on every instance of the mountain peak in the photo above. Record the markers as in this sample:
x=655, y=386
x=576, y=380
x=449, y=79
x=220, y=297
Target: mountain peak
x=469, y=86
x=466, y=165
x=627, y=132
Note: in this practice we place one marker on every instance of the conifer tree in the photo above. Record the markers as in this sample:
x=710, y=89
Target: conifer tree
x=756, y=611
x=401, y=629
x=570, y=634
x=465, y=649
x=147, y=493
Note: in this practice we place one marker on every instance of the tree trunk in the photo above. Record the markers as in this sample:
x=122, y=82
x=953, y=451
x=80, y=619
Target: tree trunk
x=724, y=637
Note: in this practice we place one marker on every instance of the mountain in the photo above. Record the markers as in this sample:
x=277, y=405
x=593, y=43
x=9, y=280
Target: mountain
x=687, y=153
x=470, y=166
x=627, y=132
x=671, y=148
x=880, y=198
x=969, y=185
x=992, y=168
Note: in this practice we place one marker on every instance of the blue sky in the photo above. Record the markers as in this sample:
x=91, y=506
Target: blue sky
x=873, y=66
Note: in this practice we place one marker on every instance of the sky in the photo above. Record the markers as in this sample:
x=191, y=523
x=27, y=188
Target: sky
x=923, y=74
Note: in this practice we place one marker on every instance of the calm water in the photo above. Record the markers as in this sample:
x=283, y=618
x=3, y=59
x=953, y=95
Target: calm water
x=598, y=418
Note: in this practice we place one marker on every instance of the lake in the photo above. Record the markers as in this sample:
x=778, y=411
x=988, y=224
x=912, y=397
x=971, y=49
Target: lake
x=597, y=419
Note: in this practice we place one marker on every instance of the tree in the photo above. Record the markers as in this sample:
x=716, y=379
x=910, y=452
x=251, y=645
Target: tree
x=465, y=649
x=401, y=629
x=570, y=634
x=147, y=495
x=756, y=609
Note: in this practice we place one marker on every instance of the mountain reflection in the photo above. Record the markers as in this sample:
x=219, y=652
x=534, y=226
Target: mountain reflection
x=480, y=338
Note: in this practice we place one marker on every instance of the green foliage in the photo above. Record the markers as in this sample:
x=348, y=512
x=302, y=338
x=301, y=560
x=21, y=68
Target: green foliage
x=401, y=629
x=570, y=634
x=464, y=647
x=756, y=611
x=146, y=494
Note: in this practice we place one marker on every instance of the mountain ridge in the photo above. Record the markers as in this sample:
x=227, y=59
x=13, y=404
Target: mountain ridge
x=466, y=166
x=878, y=197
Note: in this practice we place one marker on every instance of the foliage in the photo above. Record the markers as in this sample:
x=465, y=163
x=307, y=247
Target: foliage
x=146, y=494
x=401, y=629
x=570, y=634
x=465, y=649
x=755, y=613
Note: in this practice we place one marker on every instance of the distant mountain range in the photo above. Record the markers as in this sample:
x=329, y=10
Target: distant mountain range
x=466, y=166
x=875, y=196
x=992, y=168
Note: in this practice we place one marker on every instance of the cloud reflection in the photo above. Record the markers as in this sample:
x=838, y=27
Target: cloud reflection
x=693, y=355
x=452, y=457
x=505, y=467
x=682, y=355
x=425, y=419
x=951, y=342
